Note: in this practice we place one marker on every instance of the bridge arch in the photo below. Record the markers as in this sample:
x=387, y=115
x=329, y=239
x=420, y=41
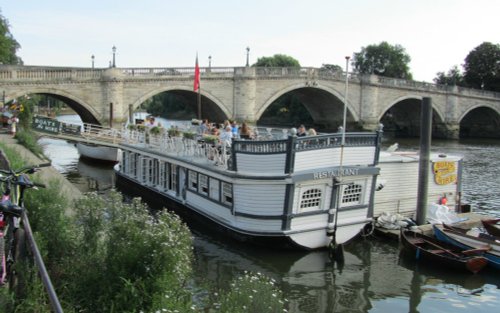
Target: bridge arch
x=87, y=112
x=480, y=120
x=212, y=107
x=401, y=117
x=323, y=103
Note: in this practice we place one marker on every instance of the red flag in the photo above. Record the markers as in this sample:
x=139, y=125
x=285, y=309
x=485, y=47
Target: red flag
x=196, y=75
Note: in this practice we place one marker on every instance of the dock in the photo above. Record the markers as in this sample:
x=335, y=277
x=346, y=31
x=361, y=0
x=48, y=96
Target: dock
x=472, y=220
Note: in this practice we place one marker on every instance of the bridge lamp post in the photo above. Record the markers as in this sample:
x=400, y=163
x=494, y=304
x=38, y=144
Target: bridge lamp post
x=209, y=61
x=248, y=54
x=93, y=58
x=114, y=53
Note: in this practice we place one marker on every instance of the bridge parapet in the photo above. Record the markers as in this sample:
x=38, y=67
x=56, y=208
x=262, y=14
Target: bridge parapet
x=36, y=73
x=424, y=86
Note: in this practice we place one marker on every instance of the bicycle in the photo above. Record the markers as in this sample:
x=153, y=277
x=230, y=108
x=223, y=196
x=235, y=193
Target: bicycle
x=14, y=183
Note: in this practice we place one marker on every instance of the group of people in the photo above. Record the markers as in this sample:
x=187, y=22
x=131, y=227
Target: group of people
x=301, y=131
x=226, y=132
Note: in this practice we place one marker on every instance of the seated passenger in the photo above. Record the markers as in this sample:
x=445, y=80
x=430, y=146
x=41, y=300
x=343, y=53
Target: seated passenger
x=301, y=132
x=246, y=132
x=226, y=137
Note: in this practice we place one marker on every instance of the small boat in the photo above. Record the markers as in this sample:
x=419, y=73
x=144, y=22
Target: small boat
x=492, y=226
x=96, y=152
x=430, y=250
x=461, y=238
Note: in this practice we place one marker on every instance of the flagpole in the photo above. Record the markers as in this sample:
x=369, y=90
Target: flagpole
x=199, y=101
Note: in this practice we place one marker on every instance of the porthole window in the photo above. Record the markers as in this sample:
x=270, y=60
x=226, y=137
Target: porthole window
x=352, y=194
x=311, y=199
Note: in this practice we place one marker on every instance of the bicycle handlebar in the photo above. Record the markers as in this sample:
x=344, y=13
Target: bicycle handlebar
x=27, y=169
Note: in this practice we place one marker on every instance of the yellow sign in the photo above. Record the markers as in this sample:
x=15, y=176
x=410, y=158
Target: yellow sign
x=445, y=172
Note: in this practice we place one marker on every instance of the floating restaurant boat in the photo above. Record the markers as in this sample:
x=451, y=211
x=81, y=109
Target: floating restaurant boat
x=293, y=192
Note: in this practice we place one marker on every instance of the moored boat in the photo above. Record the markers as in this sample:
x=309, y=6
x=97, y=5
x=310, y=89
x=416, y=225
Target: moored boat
x=292, y=192
x=425, y=248
x=464, y=240
x=492, y=227
x=98, y=152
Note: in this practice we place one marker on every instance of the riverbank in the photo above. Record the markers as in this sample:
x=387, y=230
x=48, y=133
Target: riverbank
x=47, y=174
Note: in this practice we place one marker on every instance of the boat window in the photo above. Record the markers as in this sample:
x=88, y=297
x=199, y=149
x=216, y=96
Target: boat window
x=144, y=169
x=227, y=193
x=203, y=181
x=352, y=194
x=173, y=177
x=156, y=172
x=193, y=180
x=214, y=189
x=311, y=199
x=133, y=164
x=164, y=175
x=124, y=164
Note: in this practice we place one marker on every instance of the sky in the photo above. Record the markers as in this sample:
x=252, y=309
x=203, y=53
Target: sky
x=436, y=34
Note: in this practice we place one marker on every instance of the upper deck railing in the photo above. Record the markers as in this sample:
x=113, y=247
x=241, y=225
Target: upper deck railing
x=45, y=73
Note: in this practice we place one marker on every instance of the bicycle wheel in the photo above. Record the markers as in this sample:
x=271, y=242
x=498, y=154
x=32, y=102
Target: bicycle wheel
x=17, y=282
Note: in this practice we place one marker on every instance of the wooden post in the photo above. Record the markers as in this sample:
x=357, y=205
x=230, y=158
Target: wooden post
x=111, y=115
x=423, y=171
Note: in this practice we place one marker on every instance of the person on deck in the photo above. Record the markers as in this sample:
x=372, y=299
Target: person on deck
x=301, y=132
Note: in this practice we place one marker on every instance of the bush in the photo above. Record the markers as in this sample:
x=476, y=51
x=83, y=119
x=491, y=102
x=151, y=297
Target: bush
x=28, y=139
x=133, y=259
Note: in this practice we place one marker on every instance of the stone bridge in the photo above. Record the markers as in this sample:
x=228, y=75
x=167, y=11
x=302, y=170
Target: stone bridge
x=245, y=93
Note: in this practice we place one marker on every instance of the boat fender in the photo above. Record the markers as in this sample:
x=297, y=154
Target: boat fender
x=443, y=200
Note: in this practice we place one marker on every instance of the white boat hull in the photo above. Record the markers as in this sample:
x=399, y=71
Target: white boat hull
x=101, y=153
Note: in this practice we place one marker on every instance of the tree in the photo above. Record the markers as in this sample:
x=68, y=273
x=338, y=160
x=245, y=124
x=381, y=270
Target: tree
x=383, y=59
x=277, y=60
x=454, y=77
x=331, y=68
x=482, y=67
x=8, y=45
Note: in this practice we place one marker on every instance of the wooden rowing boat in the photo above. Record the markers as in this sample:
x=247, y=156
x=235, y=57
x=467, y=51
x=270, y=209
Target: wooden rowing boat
x=464, y=240
x=428, y=249
x=492, y=226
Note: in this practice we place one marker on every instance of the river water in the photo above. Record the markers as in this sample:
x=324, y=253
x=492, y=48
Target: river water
x=374, y=276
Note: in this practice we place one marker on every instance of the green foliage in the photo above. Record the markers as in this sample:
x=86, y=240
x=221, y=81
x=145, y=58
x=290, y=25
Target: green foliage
x=104, y=255
x=482, y=67
x=383, y=59
x=129, y=258
x=331, y=68
x=169, y=105
x=452, y=77
x=277, y=60
x=173, y=132
x=252, y=292
x=8, y=45
x=287, y=110
x=189, y=135
x=28, y=139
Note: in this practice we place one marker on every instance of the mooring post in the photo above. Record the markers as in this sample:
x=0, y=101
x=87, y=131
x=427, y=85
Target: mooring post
x=111, y=115
x=424, y=163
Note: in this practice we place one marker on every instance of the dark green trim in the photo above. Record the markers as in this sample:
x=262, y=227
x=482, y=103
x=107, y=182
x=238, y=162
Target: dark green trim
x=290, y=155
x=288, y=207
